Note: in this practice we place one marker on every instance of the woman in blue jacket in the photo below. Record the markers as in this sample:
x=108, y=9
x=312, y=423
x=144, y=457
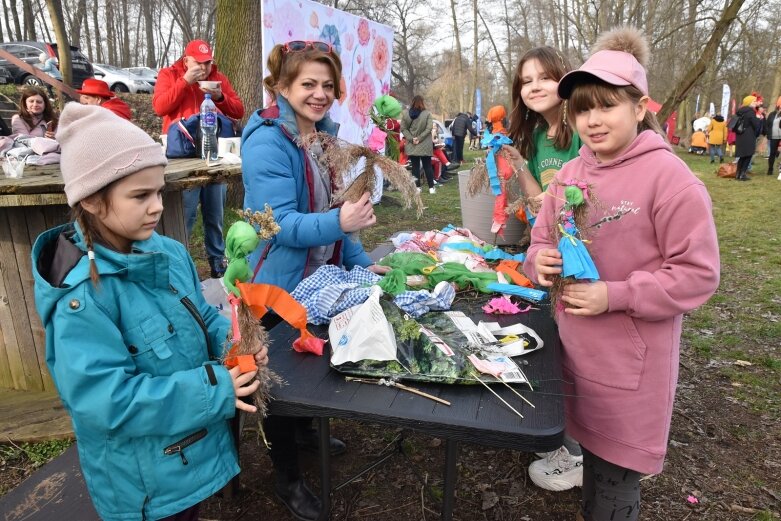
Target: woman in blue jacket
x=131, y=343
x=278, y=171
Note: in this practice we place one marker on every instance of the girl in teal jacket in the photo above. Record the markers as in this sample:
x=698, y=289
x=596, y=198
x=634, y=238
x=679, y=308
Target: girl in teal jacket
x=131, y=344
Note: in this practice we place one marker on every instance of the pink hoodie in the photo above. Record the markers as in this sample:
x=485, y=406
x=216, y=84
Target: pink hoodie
x=654, y=244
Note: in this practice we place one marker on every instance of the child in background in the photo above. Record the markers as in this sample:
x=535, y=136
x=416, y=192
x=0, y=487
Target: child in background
x=621, y=334
x=130, y=340
x=541, y=135
x=699, y=143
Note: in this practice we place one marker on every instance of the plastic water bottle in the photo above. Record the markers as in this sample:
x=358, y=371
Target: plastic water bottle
x=208, y=129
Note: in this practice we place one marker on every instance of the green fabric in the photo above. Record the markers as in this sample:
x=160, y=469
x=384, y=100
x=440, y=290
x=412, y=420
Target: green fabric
x=547, y=159
x=242, y=239
x=420, y=128
x=460, y=274
x=573, y=195
x=408, y=262
x=394, y=282
x=388, y=106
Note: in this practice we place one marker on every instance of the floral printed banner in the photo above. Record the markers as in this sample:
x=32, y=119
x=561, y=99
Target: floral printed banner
x=365, y=48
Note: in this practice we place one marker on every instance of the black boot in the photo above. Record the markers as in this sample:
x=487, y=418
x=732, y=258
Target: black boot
x=299, y=499
x=309, y=440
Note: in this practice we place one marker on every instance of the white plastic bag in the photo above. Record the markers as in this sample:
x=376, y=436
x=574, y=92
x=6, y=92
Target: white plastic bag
x=362, y=333
x=13, y=165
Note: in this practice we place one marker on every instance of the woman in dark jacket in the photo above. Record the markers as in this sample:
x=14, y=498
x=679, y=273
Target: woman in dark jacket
x=746, y=142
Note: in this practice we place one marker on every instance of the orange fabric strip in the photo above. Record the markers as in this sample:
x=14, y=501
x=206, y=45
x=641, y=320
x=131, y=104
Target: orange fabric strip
x=510, y=268
x=260, y=297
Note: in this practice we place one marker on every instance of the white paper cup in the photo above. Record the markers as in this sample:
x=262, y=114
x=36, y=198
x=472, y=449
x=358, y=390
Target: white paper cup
x=224, y=146
x=164, y=140
x=235, y=145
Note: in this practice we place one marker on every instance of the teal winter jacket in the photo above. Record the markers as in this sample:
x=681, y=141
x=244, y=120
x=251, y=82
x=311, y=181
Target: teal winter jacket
x=132, y=360
x=275, y=173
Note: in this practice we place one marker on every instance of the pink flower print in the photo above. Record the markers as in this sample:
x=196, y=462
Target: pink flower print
x=268, y=20
x=361, y=97
x=359, y=59
x=385, y=88
x=349, y=41
x=363, y=32
x=287, y=23
x=380, y=57
x=313, y=20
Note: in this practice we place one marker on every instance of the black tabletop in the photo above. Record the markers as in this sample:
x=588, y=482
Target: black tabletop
x=475, y=415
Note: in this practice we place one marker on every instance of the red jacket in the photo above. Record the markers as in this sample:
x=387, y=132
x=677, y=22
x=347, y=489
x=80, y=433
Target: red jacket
x=118, y=107
x=174, y=98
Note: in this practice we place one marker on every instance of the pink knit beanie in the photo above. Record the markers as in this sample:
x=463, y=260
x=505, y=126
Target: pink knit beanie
x=99, y=147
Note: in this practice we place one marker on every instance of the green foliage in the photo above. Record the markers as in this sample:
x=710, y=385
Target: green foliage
x=38, y=453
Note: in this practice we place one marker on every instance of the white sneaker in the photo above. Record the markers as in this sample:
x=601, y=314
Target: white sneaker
x=559, y=470
x=432, y=190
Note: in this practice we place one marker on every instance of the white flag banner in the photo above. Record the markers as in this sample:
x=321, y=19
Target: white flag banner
x=725, y=95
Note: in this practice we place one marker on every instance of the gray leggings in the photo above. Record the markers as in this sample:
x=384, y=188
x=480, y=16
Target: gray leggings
x=610, y=492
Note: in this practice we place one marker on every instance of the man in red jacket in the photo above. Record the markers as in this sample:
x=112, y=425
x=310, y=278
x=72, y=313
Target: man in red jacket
x=179, y=95
x=96, y=92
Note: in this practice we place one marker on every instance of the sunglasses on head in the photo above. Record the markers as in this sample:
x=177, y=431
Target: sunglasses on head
x=301, y=45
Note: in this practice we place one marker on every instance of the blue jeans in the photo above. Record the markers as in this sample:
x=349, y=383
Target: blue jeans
x=716, y=150
x=212, y=200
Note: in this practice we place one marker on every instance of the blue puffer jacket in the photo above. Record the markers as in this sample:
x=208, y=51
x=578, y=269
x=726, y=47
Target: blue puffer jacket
x=275, y=172
x=131, y=361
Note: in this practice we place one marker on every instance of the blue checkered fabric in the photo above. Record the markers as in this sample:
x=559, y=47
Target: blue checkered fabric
x=330, y=290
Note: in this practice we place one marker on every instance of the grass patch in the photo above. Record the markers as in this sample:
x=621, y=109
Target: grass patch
x=37, y=453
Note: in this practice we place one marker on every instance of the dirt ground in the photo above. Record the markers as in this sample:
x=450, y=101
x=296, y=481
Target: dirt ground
x=723, y=454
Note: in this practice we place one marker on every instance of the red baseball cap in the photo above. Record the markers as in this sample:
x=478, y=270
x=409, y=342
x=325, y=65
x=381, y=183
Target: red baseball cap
x=94, y=87
x=199, y=50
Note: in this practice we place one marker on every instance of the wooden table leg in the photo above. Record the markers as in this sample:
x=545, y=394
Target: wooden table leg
x=451, y=476
x=325, y=467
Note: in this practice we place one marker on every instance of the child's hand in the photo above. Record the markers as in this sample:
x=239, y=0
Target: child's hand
x=587, y=299
x=547, y=262
x=241, y=389
x=261, y=357
x=512, y=154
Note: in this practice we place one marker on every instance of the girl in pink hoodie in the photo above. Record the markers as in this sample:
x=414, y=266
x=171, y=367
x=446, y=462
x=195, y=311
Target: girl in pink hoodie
x=647, y=223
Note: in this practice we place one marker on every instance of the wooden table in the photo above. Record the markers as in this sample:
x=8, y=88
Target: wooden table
x=35, y=203
x=475, y=416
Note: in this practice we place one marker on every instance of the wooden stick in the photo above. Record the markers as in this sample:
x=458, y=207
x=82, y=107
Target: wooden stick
x=421, y=393
x=519, y=394
x=500, y=398
x=391, y=383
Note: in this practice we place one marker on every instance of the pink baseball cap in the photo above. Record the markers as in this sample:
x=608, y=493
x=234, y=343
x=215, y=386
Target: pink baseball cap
x=199, y=50
x=614, y=67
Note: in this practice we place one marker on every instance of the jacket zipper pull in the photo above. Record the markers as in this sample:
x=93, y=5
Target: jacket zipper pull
x=177, y=450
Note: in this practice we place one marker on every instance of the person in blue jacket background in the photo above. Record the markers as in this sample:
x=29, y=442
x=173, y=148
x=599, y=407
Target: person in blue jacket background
x=278, y=171
x=131, y=344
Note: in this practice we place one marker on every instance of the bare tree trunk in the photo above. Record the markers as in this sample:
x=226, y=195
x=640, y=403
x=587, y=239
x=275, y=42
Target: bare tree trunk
x=474, y=58
x=17, y=25
x=45, y=27
x=87, y=32
x=149, y=31
x=63, y=45
x=683, y=87
x=98, y=42
x=29, y=20
x=123, y=27
x=459, y=56
x=238, y=44
x=111, y=39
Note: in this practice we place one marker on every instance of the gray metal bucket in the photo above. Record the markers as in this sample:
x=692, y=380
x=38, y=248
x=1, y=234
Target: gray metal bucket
x=477, y=215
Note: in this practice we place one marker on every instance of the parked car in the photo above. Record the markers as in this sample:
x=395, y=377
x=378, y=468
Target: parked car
x=5, y=76
x=30, y=51
x=149, y=75
x=121, y=80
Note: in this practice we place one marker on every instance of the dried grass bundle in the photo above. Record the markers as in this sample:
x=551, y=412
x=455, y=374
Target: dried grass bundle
x=478, y=180
x=253, y=337
x=340, y=157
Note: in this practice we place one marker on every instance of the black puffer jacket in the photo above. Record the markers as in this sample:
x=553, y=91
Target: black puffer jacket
x=746, y=143
x=461, y=125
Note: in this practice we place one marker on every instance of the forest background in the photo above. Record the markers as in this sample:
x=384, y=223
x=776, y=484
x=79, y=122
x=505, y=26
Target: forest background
x=443, y=50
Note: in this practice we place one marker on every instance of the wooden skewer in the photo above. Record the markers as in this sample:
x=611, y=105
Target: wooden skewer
x=391, y=383
x=421, y=393
x=500, y=398
x=519, y=394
